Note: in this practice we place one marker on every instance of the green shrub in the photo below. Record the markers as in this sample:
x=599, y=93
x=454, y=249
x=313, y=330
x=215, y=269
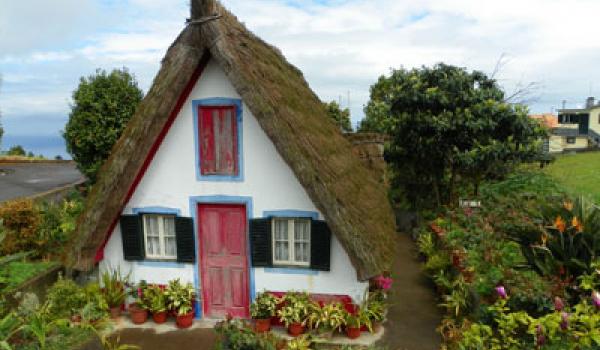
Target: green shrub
x=65, y=298
x=237, y=335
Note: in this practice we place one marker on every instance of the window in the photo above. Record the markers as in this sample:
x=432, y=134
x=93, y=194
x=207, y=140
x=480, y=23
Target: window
x=571, y=140
x=159, y=236
x=218, y=140
x=291, y=241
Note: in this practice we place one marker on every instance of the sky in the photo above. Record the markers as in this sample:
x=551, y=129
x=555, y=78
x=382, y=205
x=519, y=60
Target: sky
x=342, y=46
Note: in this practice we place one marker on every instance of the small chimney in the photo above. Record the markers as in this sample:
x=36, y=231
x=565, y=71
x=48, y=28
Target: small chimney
x=589, y=103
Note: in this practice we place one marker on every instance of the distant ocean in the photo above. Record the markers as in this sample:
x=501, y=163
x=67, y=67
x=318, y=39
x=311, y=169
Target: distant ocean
x=47, y=145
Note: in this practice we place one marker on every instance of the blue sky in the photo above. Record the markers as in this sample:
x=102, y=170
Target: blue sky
x=342, y=46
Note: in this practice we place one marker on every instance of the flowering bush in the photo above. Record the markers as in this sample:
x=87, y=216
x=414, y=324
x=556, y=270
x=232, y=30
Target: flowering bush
x=577, y=327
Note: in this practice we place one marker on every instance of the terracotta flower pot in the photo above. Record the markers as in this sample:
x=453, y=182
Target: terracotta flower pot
x=138, y=315
x=295, y=329
x=376, y=326
x=115, y=312
x=185, y=321
x=263, y=325
x=159, y=317
x=353, y=332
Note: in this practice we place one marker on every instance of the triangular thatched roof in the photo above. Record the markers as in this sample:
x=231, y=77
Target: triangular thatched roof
x=353, y=202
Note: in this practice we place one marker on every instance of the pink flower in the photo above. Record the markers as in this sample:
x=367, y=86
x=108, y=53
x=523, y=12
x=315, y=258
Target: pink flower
x=384, y=283
x=541, y=338
x=596, y=299
x=559, y=305
x=564, y=321
x=501, y=292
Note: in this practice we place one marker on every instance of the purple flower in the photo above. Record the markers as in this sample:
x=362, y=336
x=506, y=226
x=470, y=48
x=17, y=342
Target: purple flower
x=559, y=305
x=596, y=299
x=541, y=338
x=564, y=321
x=501, y=292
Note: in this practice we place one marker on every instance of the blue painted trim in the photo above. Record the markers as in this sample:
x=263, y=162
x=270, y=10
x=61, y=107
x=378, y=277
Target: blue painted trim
x=221, y=199
x=291, y=271
x=157, y=210
x=219, y=101
x=291, y=214
x=161, y=264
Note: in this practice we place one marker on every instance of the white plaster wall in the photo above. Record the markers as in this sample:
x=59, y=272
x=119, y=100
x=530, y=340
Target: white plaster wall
x=171, y=180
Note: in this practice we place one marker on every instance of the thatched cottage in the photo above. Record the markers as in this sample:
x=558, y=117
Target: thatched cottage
x=231, y=176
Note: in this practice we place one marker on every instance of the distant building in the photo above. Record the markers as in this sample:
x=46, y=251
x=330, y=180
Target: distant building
x=573, y=129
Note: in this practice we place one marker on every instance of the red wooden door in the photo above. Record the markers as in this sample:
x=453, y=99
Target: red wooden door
x=223, y=260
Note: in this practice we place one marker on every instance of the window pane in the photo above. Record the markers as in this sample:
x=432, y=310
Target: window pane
x=151, y=225
x=281, y=229
x=170, y=246
x=153, y=246
x=301, y=230
x=169, y=225
x=282, y=251
x=301, y=252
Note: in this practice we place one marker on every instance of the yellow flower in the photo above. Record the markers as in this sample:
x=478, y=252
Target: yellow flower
x=560, y=224
x=577, y=224
x=568, y=205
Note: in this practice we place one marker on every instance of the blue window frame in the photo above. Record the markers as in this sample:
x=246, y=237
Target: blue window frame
x=219, y=102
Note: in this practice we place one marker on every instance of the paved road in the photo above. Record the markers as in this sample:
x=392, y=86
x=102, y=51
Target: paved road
x=26, y=179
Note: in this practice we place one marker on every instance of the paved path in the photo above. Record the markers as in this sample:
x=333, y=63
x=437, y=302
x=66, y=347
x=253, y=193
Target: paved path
x=27, y=179
x=413, y=315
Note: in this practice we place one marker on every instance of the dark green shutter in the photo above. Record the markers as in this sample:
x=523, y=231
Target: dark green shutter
x=132, y=237
x=186, y=245
x=320, y=246
x=261, y=243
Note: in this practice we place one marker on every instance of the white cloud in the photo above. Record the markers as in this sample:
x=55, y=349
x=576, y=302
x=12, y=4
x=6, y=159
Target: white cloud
x=340, y=45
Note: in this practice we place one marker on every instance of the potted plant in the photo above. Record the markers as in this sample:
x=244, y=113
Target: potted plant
x=262, y=309
x=355, y=321
x=114, y=291
x=294, y=312
x=180, y=299
x=375, y=310
x=138, y=310
x=157, y=303
x=326, y=319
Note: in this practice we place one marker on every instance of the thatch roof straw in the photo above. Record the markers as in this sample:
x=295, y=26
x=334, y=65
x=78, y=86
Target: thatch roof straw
x=351, y=199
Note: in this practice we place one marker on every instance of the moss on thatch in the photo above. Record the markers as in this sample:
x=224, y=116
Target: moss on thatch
x=351, y=199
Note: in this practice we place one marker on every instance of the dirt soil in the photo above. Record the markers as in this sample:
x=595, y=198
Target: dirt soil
x=197, y=338
x=413, y=315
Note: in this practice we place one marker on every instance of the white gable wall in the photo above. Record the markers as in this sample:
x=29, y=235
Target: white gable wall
x=171, y=180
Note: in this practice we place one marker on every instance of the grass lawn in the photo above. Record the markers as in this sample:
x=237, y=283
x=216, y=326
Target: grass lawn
x=578, y=173
x=18, y=272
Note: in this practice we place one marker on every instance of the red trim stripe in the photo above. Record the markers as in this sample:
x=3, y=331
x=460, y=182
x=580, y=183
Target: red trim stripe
x=155, y=146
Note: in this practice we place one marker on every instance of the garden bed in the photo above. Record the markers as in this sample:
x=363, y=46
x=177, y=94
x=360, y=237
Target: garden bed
x=522, y=270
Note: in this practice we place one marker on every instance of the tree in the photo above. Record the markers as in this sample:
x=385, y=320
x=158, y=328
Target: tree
x=102, y=105
x=340, y=116
x=448, y=127
x=17, y=150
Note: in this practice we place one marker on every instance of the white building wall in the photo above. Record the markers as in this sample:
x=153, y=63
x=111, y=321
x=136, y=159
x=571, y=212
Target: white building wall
x=170, y=181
